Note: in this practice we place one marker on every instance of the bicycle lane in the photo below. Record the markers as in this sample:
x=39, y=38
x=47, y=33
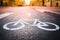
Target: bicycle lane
x=34, y=31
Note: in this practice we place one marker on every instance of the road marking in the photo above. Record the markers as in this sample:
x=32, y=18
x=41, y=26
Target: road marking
x=5, y=14
x=37, y=23
x=43, y=10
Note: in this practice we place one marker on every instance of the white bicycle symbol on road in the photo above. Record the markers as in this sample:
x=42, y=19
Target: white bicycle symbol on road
x=36, y=22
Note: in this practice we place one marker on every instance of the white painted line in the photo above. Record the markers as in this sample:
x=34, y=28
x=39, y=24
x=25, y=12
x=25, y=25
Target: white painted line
x=5, y=14
x=43, y=10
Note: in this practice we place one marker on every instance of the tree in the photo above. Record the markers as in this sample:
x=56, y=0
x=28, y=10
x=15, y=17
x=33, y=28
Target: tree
x=10, y=2
x=1, y=2
x=43, y=2
x=51, y=3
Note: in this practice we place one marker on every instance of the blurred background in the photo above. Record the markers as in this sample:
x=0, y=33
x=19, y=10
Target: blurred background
x=46, y=3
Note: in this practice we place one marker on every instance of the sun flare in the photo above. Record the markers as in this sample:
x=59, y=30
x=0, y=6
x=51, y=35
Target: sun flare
x=27, y=2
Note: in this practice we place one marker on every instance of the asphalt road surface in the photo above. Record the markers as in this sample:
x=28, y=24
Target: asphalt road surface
x=11, y=14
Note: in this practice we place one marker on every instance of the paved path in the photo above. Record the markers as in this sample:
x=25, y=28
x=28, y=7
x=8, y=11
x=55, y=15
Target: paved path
x=29, y=32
